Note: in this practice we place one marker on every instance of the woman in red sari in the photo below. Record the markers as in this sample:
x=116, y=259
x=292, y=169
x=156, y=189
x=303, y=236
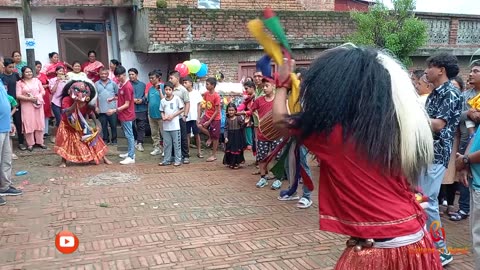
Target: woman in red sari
x=360, y=117
x=49, y=69
x=47, y=108
x=92, y=66
x=78, y=137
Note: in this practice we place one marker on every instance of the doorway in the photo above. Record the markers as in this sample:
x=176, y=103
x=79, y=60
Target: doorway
x=9, y=41
x=76, y=38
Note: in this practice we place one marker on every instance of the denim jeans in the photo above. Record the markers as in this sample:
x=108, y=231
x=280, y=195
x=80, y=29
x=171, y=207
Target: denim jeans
x=57, y=112
x=127, y=129
x=171, y=143
x=105, y=121
x=303, y=161
x=430, y=182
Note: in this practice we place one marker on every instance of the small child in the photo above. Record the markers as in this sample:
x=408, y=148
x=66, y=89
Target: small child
x=14, y=108
x=234, y=138
x=171, y=107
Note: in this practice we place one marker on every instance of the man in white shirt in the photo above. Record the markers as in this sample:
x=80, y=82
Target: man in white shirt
x=193, y=113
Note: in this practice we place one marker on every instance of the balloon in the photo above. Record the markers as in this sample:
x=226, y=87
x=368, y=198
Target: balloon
x=203, y=70
x=195, y=66
x=188, y=64
x=182, y=69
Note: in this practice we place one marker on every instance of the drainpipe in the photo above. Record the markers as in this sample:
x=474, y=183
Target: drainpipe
x=115, y=40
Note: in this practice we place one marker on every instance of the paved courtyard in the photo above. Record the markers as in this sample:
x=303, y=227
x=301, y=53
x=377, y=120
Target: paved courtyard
x=198, y=216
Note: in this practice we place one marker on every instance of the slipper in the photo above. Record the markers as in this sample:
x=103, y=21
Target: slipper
x=288, y=198
x=208, y=143
x=211, y=159
x=200, y=156
x=256, y=173
x=236, y=167
x=304, y=203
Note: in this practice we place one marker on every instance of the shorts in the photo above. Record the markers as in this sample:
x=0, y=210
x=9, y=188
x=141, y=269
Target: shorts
x=214, y=127
x=264, y=148
x=192, y=127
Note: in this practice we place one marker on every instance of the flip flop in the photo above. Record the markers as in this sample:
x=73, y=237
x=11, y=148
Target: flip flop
x=210, y=159
x=200, y=156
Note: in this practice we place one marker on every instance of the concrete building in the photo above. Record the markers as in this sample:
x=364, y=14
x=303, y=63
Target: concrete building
x=151, y=34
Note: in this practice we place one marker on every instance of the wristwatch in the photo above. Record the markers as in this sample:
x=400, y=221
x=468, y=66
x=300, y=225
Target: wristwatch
x=466, y=160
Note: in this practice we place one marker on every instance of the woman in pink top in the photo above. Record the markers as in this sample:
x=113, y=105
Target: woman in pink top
x=30, y=94
x=56, y=88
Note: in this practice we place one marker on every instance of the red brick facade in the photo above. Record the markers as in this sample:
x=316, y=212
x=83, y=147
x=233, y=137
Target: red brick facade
x=310, y=5
x=218, y=27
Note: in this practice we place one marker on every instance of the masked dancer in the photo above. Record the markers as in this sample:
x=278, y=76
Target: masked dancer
x=360, y=117
x=78, y=137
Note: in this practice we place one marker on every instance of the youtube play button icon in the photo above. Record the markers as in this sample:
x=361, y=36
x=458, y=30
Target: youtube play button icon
x=66, y=242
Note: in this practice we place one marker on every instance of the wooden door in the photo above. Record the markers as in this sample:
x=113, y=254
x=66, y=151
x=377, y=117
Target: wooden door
x=9, y=40
x=77, y=38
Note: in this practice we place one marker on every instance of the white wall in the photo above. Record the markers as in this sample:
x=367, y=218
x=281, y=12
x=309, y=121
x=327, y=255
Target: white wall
x=45, y=26
x=45, y=35
x=142, y=61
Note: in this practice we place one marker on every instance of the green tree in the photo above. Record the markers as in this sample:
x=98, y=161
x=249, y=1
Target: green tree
x=397, y=30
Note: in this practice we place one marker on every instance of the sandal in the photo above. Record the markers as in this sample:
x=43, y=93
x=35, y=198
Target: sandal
x=236, y=167
x=200, y=156
x=304, y=203
x=459, y=215
x=211, y=159
x=30, y=148
x=256, y=173
x=43, y=146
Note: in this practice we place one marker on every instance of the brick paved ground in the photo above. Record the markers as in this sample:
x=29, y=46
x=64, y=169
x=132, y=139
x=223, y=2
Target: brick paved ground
x=198, y=216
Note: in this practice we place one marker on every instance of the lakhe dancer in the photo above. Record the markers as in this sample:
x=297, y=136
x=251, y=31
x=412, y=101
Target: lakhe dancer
x=360, y=117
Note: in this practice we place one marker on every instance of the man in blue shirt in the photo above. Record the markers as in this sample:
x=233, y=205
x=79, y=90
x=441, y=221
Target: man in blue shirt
x=443, y=106
x=139, y=99
x=6, y=127
x=107, y=90
x=471, y=161
x=154, y=95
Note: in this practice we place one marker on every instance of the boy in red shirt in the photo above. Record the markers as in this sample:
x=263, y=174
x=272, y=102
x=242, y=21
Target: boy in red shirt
x=125, y=112
x=210, y=122
x=264, y=105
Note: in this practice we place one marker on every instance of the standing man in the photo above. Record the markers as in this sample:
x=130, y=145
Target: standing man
x=10, y=79
x=107, y=90
x=125, y=112
x=154, y=96
x=6, y=128
x=444, y=106
x=470, y=164
x=182, y=93
x=140, y=108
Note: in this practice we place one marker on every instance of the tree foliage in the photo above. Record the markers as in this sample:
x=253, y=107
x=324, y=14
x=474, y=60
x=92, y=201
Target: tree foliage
x=397, y=30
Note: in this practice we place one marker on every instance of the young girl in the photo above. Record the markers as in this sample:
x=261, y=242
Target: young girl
x=234, y=138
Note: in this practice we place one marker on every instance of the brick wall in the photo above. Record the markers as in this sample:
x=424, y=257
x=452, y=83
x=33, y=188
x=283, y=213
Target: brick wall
x=228, y=61
x=219, y=26
x=67, y=3
x=237, y=4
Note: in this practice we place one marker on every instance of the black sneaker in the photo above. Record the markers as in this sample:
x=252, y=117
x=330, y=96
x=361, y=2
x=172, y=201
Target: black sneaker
x=2, y=201
x=22, y=147
x=11, y=191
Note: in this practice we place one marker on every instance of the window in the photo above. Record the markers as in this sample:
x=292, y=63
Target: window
x=210, y=4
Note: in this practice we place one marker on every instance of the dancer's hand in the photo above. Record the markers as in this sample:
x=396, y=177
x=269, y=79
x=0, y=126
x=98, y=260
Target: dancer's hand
x=285, y=70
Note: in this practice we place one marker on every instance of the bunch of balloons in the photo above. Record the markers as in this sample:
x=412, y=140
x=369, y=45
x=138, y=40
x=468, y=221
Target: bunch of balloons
x=193, y=67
